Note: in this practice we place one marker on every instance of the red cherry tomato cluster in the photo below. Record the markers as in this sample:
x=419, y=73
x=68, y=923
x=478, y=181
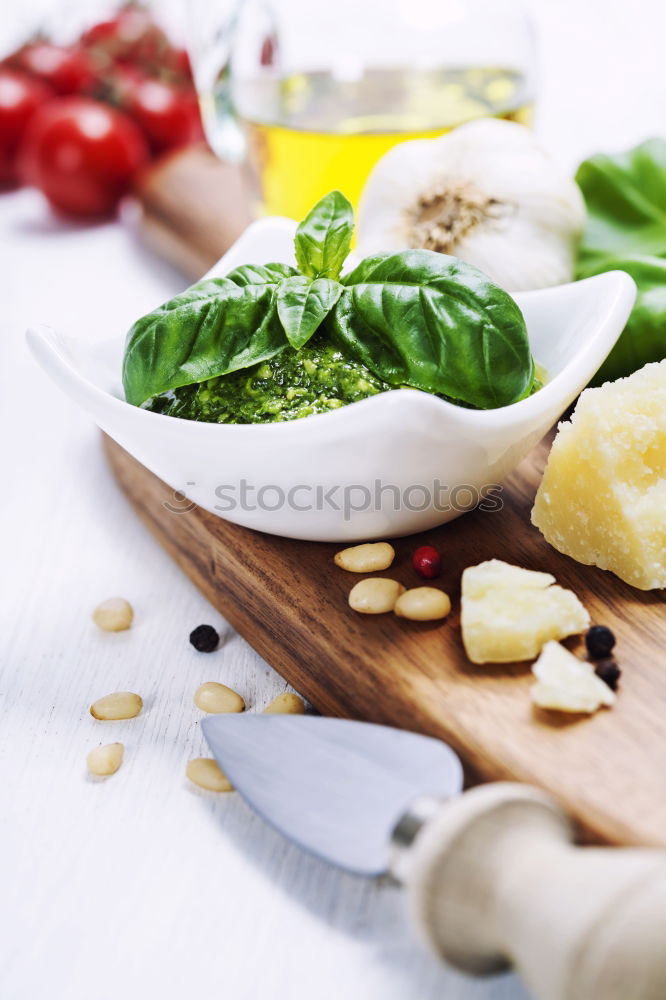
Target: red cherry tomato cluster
x=79, y=121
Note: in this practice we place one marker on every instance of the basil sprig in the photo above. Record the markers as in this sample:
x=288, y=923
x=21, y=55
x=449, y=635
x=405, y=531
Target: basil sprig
x=324, y=237
x=415, y=318
x=303, y=304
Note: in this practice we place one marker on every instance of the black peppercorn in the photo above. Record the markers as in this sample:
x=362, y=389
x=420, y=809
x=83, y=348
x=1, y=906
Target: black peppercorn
x=609, y=672
x=204, y=638
x=599, y=641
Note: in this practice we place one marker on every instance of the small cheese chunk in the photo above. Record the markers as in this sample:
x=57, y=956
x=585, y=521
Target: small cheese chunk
x=603, y=496
x=566, y=683
x=508, y=613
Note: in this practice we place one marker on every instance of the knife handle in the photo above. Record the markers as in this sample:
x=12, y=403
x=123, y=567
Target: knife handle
x=494, y=881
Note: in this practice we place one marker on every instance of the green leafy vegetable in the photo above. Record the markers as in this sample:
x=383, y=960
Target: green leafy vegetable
x=260, y=274
x=626, y=202
x=416, y=318
x=213, y=328
x=324, y=237
x=303, y=304
x=430, y=321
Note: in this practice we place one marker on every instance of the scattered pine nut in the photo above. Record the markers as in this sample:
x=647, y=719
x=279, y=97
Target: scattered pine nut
x=367, y=558
x=286, y=703
x=105, y=760
x=207, y=773
x=216, y=698
x=423, y=604
x=375, y=596
x=119, y=705
x=113, y=615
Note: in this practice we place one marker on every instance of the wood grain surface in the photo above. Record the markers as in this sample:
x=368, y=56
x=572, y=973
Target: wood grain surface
x=289, y=601
x=193, y=207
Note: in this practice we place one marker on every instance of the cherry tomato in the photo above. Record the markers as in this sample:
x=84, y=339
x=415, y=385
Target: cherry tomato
x=20, y=97
x=67, y=70
x=82, y=155
x=117, y=85
x=131, y=36
x=168, y=115
x=178, y=61
x=268, y=48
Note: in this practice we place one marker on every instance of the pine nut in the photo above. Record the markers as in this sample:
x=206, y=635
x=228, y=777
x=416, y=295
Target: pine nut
x=423, y=604
x=367, y=558
x=375, y=596
x=119, y=705
x=113, y=615
x=215, y=698
x=105, y=760
x=286, y=703
x=206, y=773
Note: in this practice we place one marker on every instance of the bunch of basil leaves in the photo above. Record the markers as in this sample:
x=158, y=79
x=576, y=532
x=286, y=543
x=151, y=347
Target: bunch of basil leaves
x=417, y=318
x=626, y=203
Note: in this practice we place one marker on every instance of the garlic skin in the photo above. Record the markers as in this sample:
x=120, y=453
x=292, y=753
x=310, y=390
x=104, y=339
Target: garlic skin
x=485, y=192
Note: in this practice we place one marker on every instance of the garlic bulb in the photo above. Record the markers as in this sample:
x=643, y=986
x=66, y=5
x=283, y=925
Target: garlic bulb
x=485, y=192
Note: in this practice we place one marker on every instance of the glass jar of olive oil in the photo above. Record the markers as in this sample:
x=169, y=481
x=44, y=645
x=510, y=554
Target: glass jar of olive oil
x=312, y=93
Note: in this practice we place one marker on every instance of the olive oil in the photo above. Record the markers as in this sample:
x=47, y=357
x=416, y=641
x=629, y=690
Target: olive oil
x=308, y=134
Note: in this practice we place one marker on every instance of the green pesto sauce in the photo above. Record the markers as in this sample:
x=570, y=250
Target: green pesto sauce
x=293, y=384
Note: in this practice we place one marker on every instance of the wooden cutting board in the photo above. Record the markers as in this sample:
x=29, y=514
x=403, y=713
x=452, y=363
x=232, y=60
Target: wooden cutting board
x=193, y=207
x=289, y=600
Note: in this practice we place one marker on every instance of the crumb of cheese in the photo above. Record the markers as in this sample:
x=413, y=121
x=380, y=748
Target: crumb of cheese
x=567, y=684
x=508, y=613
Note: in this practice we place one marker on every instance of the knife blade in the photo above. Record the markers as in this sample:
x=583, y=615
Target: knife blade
x=337, y=788
x=491, y=876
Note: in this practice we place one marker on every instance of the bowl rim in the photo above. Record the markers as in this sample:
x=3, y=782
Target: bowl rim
x=43, y=338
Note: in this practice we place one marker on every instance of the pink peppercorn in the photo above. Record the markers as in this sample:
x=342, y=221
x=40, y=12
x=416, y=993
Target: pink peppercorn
x=427, y=562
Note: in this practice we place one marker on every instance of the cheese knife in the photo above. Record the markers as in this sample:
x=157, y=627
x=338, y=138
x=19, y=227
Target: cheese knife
x=491, y=875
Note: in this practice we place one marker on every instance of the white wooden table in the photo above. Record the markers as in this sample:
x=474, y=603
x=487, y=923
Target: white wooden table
x=142, y=886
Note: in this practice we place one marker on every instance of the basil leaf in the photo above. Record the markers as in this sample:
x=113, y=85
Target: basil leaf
x=625, y=197
x=260, y=274
x=644, y=337
x=626, y=203
x=303, y=304
x=323, y=238
x=215, y=327
x=430, y=321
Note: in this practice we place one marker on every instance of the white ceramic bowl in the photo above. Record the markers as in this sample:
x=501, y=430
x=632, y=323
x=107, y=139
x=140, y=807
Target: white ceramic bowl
x=400, y=462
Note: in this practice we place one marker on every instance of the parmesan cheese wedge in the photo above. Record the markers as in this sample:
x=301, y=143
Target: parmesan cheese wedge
x=602, y=500
x=567, y=684
x=509, y=613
